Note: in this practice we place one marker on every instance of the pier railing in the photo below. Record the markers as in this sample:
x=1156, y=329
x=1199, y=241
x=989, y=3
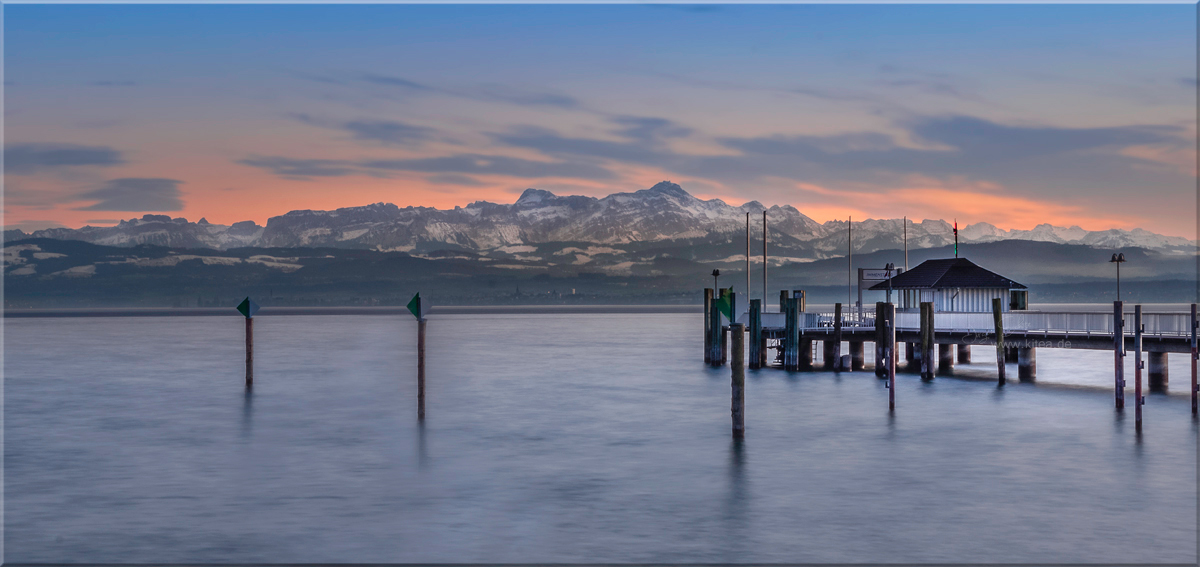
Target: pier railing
x=1156, y=324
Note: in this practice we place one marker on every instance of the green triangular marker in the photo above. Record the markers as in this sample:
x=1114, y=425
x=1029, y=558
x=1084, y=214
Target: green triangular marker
x=723, y=303
x=247, y=308
x=414, y=305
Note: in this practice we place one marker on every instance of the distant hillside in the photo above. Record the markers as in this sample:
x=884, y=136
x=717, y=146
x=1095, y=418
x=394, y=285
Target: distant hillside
x=45, y=272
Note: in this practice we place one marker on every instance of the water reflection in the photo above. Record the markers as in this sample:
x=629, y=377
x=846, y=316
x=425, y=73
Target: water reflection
x=247, y=410
x=735, y=501
x=422, y=453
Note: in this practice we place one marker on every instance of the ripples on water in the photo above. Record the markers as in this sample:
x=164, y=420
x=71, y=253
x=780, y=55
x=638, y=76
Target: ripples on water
x=558, y=438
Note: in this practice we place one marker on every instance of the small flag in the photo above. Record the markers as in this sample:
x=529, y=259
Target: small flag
x=247, y=308
x=417, y=309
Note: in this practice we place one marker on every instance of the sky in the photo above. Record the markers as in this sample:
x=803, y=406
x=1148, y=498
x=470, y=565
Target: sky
x=1014, y=115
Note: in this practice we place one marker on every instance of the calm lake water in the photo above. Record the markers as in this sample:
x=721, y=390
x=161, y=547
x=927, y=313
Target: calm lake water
x=563, y=438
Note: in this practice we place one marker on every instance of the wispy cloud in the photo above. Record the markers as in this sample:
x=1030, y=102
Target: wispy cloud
x=493, y=165
x=300, y=168
x=37, y=158
x=488, y=92
x=112, y=83
x=454, y=179
x=134, y=194
x=388, y=132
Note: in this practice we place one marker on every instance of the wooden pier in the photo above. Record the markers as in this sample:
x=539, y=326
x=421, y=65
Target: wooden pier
x=787, y=339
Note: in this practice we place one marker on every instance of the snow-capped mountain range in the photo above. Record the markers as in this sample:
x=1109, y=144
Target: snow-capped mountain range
x=656, y=216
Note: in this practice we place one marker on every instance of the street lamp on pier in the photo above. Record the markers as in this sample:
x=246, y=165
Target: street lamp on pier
x=1118, y=259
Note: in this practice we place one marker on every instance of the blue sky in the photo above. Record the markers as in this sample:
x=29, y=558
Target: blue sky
x=1010, y=114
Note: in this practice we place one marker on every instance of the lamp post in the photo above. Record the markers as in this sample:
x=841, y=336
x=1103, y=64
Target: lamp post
x=1118, y=259
x=716, y=291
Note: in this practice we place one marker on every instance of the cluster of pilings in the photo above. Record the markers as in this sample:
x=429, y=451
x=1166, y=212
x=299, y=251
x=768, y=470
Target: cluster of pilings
x=795, y=347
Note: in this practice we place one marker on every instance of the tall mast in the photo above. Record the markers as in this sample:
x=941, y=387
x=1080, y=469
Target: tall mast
x=764, y=260
x=906, y=244
x=849, y=261
x=748, y=261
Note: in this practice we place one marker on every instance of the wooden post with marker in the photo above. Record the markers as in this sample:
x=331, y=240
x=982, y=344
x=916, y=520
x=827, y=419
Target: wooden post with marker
x=248, y=308
x=414, y=306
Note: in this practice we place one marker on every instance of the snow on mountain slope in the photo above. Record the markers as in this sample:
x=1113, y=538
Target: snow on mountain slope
x=662, y=213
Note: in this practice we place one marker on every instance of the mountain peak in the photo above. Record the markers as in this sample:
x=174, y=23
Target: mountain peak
x=669, y=188
x=531, y=196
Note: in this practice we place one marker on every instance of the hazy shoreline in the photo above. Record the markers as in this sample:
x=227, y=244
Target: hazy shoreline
x=485, y=310
x=351, y=310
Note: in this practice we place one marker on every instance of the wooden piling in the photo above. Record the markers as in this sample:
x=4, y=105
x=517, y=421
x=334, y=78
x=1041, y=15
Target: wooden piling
x=714, y=330
x=964, y=354
x=910, y=353
x=998, y=319
x=858, y=355
x=790, y=334
x=249, y=351
x=756, y=344
x=1026, y=364
x=421, y=369
x=804, y=353
x=829, y=355
x=738, y=371
x=945, y=358
x=1137, y=367
x=1157, y=375
x=1119, y=353
x=880, y=331
x=889, y=353
x=1195, y=356
x=724, y=331
x=783, y=297
x=926, y=340
x=833, y=350
x=708, y=305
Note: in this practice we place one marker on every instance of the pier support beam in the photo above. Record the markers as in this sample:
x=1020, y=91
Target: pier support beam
x=756, y=342
x=830, y=354
x=880, y=331
x=1193, y=323
x=858, y=353
x=708, y=340
x=738, y=380
x=1026, y=364
x=1010, y=354
x=791, y=335
x=837, y=339
x=910, y=353
x=945, y=359
x=1119, y=353
x=1137, y=367
x=889, y=352
x=998, y=321
x=1156, y=371
x=805, y=354
x=926, y=340
x=964, y=354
